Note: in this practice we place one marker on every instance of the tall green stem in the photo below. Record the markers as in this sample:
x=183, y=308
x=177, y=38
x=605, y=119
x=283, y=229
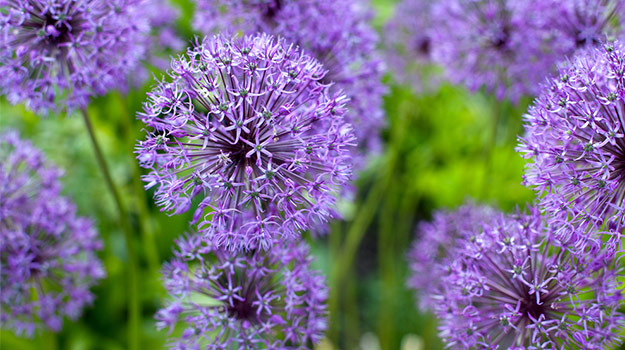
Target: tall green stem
x=147, y=227
x=133, y=284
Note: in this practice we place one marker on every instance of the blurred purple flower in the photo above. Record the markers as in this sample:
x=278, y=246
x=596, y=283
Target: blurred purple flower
x=511, y=285
x=585, y=23
x=408, y=40
x=48, y=258
x=248, y=300
x=575, y=137
x=58, y=53
x=247, y=126
x=428, y=255
x=500, y=45
x=336, y=32
x=164, y=40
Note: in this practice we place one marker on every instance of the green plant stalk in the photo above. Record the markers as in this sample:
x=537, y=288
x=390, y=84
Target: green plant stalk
x=352, y=311
x=336, y=228
x=147, y=227
x=134, y=307
x=386, y=257
x=363, y=219
x=345, y=258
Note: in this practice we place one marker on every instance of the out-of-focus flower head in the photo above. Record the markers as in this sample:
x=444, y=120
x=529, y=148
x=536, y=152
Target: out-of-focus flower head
x=502, y=46
x=253, y=300
x=429, y=253
x=336, y=32
x=248, y=127
x=511, y=285
x=408, y=39
x=57, y=54
x=164, y=39
x=48, y=258
x=576, y=141
x=587, y=23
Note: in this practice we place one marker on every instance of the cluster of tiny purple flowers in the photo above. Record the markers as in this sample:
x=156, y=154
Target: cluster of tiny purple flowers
x=429, y=254
x=498, y=45
x=247, y=126
x=575, y=137
x=254, y=300
x=509, y=284
x=505, y=47
x=336, y=32
x=408, y=42
x=57, y=54
x=48, y=258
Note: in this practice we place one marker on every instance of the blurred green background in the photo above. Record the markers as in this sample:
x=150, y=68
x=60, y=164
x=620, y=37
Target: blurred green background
x=442, y=148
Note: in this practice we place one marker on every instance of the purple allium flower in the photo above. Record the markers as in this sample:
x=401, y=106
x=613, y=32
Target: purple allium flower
x=336, y=32
x=164, y=40
x=575, y=137
x=247, y=300
x=511, y=285
x=409, y=44
x=247, y=126
x=57, y=53
x=584, y=23
x=48, y=258
x=499, y=45
x=429, y=253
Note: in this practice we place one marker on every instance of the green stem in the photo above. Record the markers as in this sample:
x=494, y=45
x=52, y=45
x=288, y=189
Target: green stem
x=133, y=293
x=386, y=260
x=334, y=300
x=147, y=226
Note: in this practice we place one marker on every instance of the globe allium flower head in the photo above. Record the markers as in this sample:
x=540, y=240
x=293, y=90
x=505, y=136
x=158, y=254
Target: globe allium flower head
x=429, y=254
x=164, y=40
x=584, y=23
x=499, y=45
x=409, y=45
x=58, y=53
x=247, y=126
x=253, y=300
x=575, y=138
x=336, y=32
x=512, y=286
x=48, y=256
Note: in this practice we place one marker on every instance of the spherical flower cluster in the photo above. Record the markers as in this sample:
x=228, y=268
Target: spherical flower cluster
x=512, y=286
x=408, y=38
x=48, y=256
x=575, y=137
x=336, y=32
x=248, y=300
x=584, y=23
x=164, y=39
x=247, y=126
x=57, y=53
x=499, y=45
x=429, y=253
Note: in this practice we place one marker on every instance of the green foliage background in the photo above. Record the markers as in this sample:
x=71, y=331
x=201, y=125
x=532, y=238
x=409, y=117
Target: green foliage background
x=442, y=148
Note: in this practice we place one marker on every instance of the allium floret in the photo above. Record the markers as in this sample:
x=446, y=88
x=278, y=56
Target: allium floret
x=48, y=258
x=576, y=141
x=247, y=127
x=338, y=33
x=247, y=300
x=429, y=253
x=58, y=53
x=502, y=46
x=511, y=285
